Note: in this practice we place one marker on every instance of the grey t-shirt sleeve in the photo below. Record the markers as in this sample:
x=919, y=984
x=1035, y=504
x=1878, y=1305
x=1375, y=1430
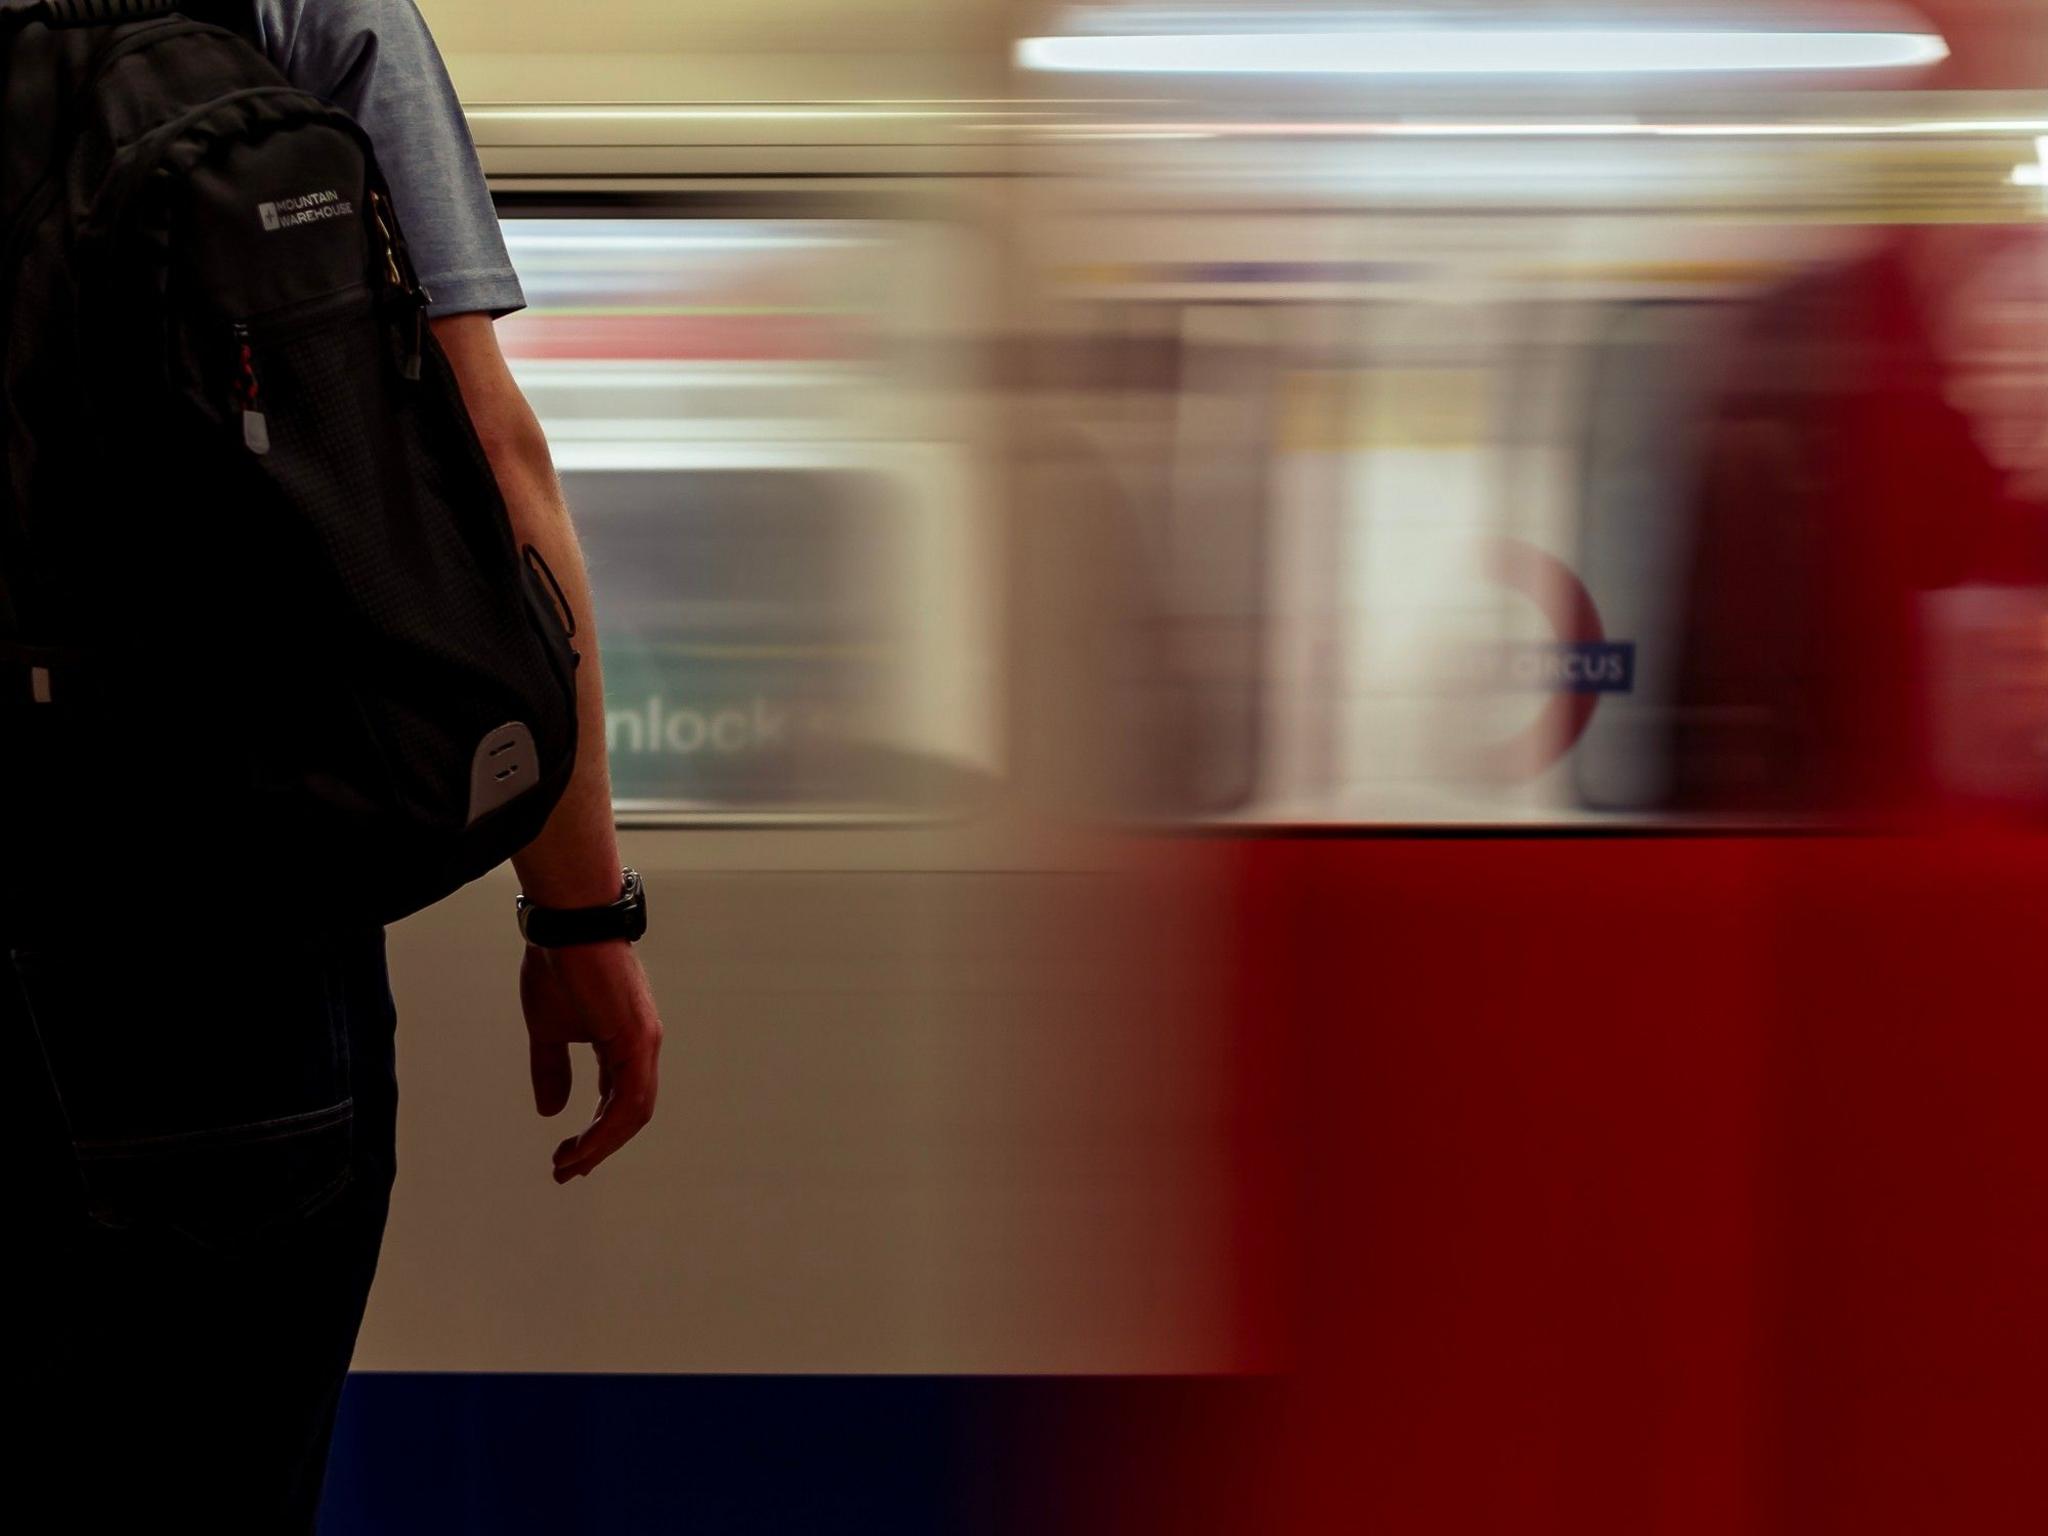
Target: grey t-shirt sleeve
x=377, y=61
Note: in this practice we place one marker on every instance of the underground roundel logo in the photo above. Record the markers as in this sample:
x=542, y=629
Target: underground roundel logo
x=1573, y=670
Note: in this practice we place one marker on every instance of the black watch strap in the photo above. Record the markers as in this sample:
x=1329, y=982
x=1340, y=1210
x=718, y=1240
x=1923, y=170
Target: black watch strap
x=559, y=927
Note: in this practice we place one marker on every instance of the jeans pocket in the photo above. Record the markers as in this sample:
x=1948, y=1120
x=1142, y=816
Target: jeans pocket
x=204, y=1093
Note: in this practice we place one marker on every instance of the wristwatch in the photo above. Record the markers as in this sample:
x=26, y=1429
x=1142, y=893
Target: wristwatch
x=559, y=927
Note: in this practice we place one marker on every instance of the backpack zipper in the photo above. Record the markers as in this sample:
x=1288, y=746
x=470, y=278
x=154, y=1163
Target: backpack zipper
x=249, y=393
x=246, y=384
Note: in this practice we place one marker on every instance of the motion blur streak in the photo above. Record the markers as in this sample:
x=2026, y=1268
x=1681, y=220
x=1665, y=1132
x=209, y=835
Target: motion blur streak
x=1344, y=775
x=1584, y=559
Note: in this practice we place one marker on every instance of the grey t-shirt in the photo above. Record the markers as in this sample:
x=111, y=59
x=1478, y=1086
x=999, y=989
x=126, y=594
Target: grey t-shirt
x=376, y=60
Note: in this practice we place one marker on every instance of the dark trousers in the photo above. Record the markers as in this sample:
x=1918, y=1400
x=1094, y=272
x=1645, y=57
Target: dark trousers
x=203, y=1148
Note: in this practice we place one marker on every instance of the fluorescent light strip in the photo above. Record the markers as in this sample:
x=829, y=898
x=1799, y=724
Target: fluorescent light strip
x=1554, y=130
x=1931, y=130
x=522, y=241
x=723, y=114
x=1480, y=51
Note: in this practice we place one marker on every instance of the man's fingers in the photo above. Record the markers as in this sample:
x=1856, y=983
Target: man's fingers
x=552, y=1075
x=618, y=1122
x=620, y=1117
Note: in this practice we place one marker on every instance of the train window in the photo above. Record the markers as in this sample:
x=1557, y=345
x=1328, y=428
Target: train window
x=1655, y=367
x=1503, y=487
x=1208, y=563
x=1140, y=534
x=1428, y=411
x=1409, y=511
x=786, y=555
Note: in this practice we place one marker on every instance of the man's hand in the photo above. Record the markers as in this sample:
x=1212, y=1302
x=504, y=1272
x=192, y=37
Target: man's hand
x=595, y=993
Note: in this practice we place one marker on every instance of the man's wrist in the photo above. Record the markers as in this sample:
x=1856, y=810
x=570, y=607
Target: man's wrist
x=623, y=915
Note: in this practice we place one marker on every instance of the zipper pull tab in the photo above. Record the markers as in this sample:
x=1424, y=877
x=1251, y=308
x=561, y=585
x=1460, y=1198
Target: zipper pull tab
x=399, y=274
x=248, y=394
x=387, y=236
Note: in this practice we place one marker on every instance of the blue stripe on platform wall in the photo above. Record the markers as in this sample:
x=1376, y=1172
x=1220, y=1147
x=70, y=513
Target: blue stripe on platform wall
x=507, y=1455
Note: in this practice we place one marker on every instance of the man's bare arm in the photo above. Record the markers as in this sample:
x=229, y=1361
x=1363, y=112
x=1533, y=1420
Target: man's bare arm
x=596, y=992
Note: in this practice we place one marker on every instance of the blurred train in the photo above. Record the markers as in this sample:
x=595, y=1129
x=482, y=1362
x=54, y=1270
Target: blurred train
x=1243, y=774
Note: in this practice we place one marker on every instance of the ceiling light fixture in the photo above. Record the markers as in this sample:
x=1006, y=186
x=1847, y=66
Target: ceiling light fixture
x=1135, y=41
x=1556, y=129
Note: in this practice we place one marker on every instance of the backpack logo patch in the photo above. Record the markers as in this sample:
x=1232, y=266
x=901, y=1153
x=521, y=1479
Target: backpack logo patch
x=306, y=208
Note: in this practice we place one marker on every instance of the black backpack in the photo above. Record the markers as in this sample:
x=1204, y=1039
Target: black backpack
x=263, y=621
